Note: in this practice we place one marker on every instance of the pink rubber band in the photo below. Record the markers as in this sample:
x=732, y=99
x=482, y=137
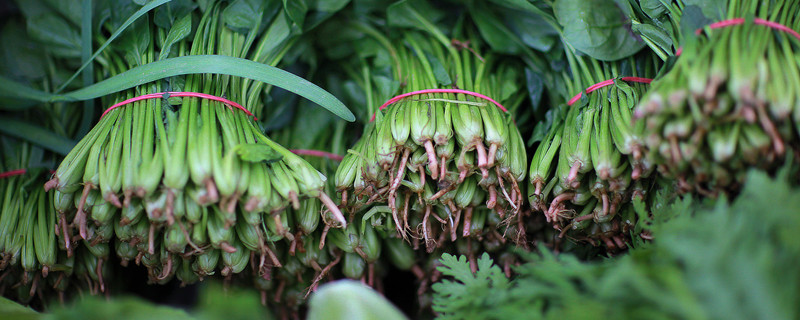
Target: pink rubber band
x=17, y=172
x=474, y=94
x=317, y=153
x=605, y=84
x=179, y=94
x=12, y=173
x=759, y=21
x=740, y=21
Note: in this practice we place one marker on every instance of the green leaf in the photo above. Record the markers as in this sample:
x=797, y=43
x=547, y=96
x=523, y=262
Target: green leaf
x=599, y=28
x=180, y=30
x=150, y=6
x=296, y=9
x=239, y=14
x=135, y=41
x=165, y=16
x=327, y=5
x=493, y=31
x=659, y=36
x=712, y=9
x=533, y=29
x=36, y=135
x=187, y=65
x=653, y=8
x=23, y=60
x=442, y=77
x=406, y=13
x=352, y=300
x=61, y=38
x=255, y=152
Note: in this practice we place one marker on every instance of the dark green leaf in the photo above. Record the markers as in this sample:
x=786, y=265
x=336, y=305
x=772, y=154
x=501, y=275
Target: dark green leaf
x=712, y=9
x=692, y=19
x=180, y=30
x=24, y=59
x=599, y=28
x=653, y=8
x=657, y=35
x=327, y=5
x=535, y=86
x=532, y=29
x=406, y=13
x=240, y=13
x=165, y=16
x=442, y=77
x=135, y=41
x=296, y=9
x=61, y=38
x=493, y=31
x=68, y=9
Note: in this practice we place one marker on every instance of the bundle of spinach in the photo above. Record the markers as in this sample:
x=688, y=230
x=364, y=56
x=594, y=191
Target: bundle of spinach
x=730, y=102
x=187, y=187
x=710, y=260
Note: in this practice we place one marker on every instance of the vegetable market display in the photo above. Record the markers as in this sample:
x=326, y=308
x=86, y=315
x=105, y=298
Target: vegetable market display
x=183, y=140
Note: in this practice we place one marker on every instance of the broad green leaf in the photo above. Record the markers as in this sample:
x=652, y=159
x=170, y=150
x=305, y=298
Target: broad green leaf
x=534, y=30
x=407, y=13
x=712, y=9
x=165, y=16
x=351, y=300
x=255, y=152
x=653, y=8
x=442, y=77
x=599, y=28
x=60, y=37
x=327, y=5
x=657, y=35
x=296, y=9
x=23, y=60
x=179, y=30
x=187, y=65
x=535, y=86
x=72, y=10
x=135, y=41
x=240, y=13
x=493, y=31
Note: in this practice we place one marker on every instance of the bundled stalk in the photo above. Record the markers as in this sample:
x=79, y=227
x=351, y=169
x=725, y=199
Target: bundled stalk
x=731, y=101
x=590, y=165
x=435, y=156
x=190, y=186
x=31, y=262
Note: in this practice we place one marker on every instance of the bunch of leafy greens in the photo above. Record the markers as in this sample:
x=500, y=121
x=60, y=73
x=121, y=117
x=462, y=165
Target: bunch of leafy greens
x=721, y=261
